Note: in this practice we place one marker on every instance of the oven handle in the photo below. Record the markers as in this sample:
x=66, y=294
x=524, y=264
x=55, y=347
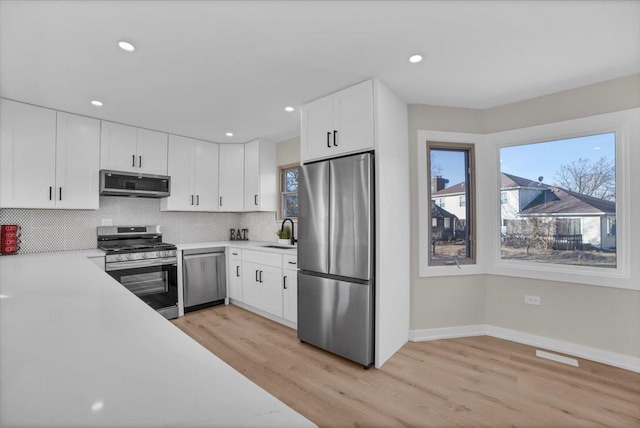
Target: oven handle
x=141, y=264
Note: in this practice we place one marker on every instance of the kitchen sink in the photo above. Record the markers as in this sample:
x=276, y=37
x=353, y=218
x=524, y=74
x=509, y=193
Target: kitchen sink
x=280, y=247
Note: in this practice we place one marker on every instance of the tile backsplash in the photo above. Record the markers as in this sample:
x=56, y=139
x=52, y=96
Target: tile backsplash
x=60, y=230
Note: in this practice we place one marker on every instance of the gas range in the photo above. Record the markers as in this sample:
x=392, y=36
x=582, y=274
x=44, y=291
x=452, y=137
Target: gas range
x=130, y=243
x=139, y=260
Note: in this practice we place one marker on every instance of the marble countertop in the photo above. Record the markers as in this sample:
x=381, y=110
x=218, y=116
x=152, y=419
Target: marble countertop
x=79, y=350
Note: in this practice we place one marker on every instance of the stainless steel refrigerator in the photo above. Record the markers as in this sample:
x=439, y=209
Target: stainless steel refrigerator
x=336, y=256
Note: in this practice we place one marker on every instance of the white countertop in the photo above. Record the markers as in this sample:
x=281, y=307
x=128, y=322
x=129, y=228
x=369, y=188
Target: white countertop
x=79, y=350
x=249, y=245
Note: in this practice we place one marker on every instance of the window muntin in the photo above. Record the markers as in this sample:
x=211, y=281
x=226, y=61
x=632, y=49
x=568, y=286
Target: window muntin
x=563, y=202
x=288, y=192
x=451, y=235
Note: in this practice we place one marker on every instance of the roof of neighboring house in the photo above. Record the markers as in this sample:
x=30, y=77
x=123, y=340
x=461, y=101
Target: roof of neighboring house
x=508, y=180
x=458, y=188
x=551, y=201
x=557, y=201
x=439, y=212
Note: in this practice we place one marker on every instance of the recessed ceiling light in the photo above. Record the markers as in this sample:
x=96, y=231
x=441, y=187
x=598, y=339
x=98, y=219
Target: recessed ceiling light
x=414, y=59
x=289, y=108
x=96, y=103
x=126, y=46
x=229, y=134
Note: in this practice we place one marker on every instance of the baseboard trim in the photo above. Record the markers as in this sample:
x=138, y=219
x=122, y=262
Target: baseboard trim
x=593, y=354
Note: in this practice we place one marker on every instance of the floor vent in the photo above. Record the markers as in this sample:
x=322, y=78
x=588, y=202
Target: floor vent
x=559, y=358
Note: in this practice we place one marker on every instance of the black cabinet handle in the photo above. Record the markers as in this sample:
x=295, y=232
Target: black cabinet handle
x=292, y=263
x=237, y=270
x=260, y=276
x=256, y=276
x=328, y=142
x=284, y=282
x=133, y=160
x=255, y=199
x=60, y=193
x=235, y=254
x=139, y=161
x=191, y=199
x=197, y=199
x=50, y=192
x=220, y=200
x=335, y=133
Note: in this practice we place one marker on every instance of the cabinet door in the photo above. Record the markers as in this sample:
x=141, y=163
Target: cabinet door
x=317, y=129
x=235, y=280
x=206, y=176
x=271, y=290
x=353, y=118
x=290, y=295
x=231, y=177
x=252, y=176
x=151, y=152
x=251, y=287
x=118, y=147
x=77, y=162
x=180, y=168
x=27, y=155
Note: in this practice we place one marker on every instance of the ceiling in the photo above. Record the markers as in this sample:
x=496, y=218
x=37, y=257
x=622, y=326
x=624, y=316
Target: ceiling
x=202, y=68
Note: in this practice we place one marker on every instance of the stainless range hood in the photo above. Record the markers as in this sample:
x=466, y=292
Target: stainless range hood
x=122, y=183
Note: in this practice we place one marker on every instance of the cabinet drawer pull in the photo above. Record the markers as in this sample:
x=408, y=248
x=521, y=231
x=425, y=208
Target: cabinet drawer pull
x=237, y=270
x=139, y=161
x=220, y=200
x=293, y=263
x=284, y=281
x=133, y=160
x=60, y=193
x=235, y=254
x=328, y=142
x=335, y=133
x=255, y=199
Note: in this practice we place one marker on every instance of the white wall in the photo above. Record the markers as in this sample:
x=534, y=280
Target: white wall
x=599, y=317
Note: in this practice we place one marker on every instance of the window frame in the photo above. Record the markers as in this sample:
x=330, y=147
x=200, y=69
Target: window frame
x=451, y=140
x=626, y=126
x=281, y=189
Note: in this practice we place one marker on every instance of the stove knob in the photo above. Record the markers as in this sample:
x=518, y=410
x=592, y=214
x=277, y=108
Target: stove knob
x=118, y=257
x=144, y=255
x=165, y=254
x=159, y=254
x=129, y=256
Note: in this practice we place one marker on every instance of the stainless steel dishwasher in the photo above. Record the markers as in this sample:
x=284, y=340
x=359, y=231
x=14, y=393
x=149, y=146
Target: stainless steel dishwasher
x=204, y=278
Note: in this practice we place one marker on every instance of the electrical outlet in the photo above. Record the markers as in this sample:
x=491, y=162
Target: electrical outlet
x=532, y=300
x=107, y=222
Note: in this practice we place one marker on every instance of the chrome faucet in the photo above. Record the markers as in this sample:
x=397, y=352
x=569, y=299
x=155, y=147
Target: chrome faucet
x=293, y=229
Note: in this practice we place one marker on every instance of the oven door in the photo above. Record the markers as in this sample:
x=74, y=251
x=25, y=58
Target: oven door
x=154, y=281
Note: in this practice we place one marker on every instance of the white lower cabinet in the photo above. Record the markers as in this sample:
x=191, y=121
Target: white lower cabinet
x=235, y=274
x=290, y=295
x=262, y=281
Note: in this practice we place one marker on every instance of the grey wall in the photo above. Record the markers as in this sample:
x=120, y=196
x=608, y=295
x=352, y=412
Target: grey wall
x=599, y=317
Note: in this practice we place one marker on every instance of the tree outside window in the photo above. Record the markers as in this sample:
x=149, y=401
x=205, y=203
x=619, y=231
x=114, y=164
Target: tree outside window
x=289, y=191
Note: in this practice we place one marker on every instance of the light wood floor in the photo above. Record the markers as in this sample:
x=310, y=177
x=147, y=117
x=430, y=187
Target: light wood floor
x=469, y=382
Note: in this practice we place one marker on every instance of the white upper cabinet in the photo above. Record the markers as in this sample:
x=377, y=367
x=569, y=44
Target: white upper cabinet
x=231, y=182
x=77, y=162
x=206, y=176
x=339, y=123
x=44, y=168
x=151, y=152
x=260, y=176
x=193, y=167
x=127, y=148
